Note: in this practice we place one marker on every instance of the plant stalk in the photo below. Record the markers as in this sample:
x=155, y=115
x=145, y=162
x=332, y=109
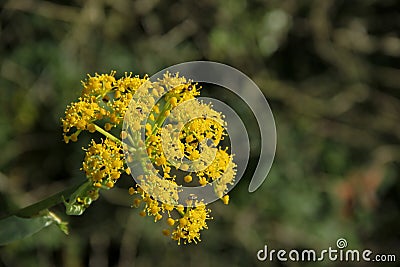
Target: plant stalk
x=107, y=134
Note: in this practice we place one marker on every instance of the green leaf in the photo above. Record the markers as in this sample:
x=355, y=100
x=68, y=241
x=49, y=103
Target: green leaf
x=15, y=228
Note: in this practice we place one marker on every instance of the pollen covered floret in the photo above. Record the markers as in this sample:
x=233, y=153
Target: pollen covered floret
x=187, y=223
x=189, y=226
x=222, y=170
x=103, y=163
x=79, y=116
x=121, y=95
x=99, y=85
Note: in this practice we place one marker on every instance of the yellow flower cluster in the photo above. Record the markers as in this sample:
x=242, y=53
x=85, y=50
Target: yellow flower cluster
x=80, y=116
x=104, y=99
x=101, y=107
x=103, y=104
x=187, y=222
x=104, y=163
x=189, y=226
x=222, y=170
x=166, y=190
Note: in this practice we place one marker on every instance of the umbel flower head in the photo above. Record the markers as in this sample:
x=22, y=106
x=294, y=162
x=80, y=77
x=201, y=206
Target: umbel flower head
x=102, y=107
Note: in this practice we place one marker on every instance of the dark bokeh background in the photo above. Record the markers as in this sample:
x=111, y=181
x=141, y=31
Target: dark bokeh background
x=329, y=69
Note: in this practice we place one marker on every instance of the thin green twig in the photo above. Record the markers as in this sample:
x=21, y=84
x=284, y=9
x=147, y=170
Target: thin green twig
x=107, y=134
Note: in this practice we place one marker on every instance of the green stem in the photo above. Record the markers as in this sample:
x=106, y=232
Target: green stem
x=46, y=203
x=180, y=213
x=107, y=134
x=160, y=119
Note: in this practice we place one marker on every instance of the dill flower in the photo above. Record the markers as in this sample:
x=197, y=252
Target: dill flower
x=79, y=116
x=103, y=163
x=100, y=108
x=181, y=134
x=104, y=99
x=189, y=226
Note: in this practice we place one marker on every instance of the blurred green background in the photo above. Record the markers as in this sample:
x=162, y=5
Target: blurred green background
x=329, y=69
